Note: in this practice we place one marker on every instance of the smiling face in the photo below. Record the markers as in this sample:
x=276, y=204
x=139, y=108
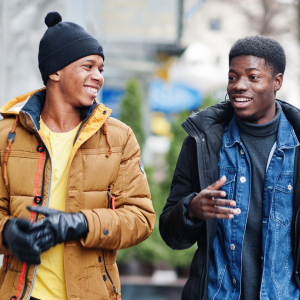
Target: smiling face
x=252, y=88
x=80, y=81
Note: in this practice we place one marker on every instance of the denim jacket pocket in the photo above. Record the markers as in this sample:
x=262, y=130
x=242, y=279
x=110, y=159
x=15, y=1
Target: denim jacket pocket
x=282, y=205
x=229, y=186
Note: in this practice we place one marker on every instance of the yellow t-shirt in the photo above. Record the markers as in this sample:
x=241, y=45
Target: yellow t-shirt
x=50, y=278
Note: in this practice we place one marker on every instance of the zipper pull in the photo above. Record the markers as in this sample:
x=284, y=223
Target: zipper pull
x=113, y=198
x=108, y=196
x=117, y=292
x=6, y=263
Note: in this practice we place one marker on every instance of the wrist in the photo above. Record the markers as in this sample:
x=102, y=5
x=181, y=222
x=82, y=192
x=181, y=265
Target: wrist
x=85, y=227
x=4, y=233
x=191, y=214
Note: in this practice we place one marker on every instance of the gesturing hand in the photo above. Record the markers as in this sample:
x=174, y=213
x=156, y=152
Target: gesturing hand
x=208, y=205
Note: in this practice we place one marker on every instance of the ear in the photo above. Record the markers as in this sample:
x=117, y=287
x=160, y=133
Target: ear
x=278, y=79
x=55, y=76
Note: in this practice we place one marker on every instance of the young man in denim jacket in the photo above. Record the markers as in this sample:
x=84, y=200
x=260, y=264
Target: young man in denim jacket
x=235, y=189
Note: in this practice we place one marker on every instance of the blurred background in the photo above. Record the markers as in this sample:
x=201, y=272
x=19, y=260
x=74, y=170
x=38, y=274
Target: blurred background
x=163, y=60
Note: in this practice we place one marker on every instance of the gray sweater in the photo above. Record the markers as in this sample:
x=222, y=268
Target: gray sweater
x=258, y=140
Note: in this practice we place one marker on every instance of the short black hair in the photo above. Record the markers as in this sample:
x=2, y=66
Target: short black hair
x=263, y=47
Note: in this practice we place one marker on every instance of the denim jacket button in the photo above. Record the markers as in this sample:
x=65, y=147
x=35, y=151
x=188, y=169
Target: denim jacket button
x=290, y=187
x=243, y=179
x=242, y=151
x=232, y=247
x=233, y=281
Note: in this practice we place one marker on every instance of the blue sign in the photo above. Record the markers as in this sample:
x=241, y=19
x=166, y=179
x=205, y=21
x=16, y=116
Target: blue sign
x=112, y=97
x=173, y=98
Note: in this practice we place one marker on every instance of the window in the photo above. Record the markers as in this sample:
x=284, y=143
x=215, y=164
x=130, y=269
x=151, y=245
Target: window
x=215, y=24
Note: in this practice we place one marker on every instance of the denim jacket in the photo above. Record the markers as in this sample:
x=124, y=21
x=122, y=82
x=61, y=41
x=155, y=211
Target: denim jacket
x=225, y=269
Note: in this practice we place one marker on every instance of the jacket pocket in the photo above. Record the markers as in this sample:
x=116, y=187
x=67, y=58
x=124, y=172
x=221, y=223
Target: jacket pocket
x=94, y=276
x=110, y=201
x=112, y=274
x=282, y=204
x=229, y=186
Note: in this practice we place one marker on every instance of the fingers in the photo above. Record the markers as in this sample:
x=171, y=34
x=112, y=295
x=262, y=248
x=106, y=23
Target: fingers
x=38, y=226
x=23, y=225
x=219, y=216
x=218, y=184
x=221, y=212
x=43, y=210
x=45, y=242
x=208, y=204
x=213, y=198
x=45, y=239
x=211, y=194
x=220, y=208
x=218, y=202
x=30, y=255
x=211, y=204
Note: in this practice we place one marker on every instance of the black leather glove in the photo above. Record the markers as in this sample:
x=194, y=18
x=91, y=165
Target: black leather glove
x=19, y=238
x=57, y=227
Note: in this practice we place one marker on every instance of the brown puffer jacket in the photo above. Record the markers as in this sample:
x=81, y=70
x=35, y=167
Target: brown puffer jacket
x=90, y=264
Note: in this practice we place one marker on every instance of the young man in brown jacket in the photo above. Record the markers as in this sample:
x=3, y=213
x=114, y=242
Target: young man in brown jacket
x=73, y=190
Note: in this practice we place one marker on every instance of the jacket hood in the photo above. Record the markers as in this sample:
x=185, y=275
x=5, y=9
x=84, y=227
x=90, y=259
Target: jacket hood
x=223, y=112
x=33, y=102
x=14, y=106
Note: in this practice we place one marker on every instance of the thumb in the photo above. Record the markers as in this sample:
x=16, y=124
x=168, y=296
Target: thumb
x=218, y=184
x=43, y=210
x=23, y=225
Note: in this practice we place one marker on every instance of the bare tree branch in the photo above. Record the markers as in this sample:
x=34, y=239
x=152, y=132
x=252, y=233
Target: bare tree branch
x=263, y=21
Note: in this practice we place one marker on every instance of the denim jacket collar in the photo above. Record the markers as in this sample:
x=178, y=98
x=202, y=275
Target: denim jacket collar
x=286, y=137
x=233, y=133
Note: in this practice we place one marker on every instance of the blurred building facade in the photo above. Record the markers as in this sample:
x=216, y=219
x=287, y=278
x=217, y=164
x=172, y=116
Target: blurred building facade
x=21, y=28
x=145, y=38
x=129, y=31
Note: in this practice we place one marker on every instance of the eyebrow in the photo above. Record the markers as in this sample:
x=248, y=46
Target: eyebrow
x=91, y=61
x=248, y=69
x=251, y=69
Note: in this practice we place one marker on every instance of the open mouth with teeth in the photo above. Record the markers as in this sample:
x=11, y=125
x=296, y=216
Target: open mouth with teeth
x=240, y=99
x=91, y=89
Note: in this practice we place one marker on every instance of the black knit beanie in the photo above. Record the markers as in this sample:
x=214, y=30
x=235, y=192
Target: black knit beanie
x=62, y=44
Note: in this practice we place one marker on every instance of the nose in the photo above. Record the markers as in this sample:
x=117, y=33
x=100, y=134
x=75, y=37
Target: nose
x=241, y=84
x=97, y=76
